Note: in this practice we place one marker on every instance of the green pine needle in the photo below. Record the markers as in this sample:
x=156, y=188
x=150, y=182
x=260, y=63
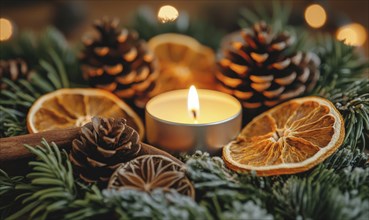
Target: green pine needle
x=50, y=191
x=340, y=65
x=277, y=17
x=51, y=184
x=52, y=65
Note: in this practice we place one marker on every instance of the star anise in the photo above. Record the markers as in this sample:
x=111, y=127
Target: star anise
x=150, y=172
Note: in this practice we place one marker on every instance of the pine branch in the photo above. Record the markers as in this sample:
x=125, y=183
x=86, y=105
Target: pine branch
x=217, y=187
x=318, y=196
x=347, y=157
x=51, y=187
x=247, y=210
x=8, y=193
x=277, y=17
x=52, y=65
x=52, y=192
x=356, y=181
x=131, y=204
x=340, y=65
x=352, y=100
x=341, y=82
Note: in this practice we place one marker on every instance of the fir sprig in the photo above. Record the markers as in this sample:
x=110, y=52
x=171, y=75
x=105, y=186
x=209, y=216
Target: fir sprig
x=341, y=65
x=347, y=157
x=352, y=100
x=246, y=210
x=277, y=18
x=8, y=193
x=217, y=187
x=324, y=194
x=53, y=64
x=51, y=191
x=51, y=184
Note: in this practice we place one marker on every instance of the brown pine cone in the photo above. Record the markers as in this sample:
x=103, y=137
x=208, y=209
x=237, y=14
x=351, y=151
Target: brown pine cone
x=103, y=145
x=13, y=69
x=118, y=61
x=261, y=69
x=150, y=172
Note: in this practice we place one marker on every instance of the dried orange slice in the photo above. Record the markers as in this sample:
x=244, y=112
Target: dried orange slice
x=66, y=108
x=289, y=138
x=183, y=62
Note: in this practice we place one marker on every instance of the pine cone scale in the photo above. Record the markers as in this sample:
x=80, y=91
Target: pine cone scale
x=13, y=69
x=106, y=153
x=262, y=72
x=119, y=61
x=102, y=147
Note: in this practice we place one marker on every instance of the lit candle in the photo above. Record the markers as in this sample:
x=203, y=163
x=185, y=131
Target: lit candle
x=188, y=120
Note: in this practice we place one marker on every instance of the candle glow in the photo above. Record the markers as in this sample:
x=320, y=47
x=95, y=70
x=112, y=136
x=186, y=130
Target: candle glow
x=352, y=34
x=6, y=29
x=167, y=13
x=315, y=16
x=193, y=103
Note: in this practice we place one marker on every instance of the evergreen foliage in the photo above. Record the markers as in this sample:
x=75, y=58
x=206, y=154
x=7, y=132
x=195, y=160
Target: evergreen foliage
x=50, y=190
x=53, y=66
x=338, y=188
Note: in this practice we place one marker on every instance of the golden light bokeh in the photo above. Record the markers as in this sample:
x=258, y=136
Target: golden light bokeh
x=315, y=16
x=352, y=34
x=6, y=29
x=167, y=13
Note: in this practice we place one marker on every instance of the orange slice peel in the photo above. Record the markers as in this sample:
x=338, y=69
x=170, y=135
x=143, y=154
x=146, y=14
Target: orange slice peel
x=289, y=138
x=68, y=108
x=183, y=62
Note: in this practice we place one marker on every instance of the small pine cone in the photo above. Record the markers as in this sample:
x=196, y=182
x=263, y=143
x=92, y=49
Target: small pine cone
x=262, y=70
x=150, y=172
x=13, y=69
x=102, y=146
x=118, y=61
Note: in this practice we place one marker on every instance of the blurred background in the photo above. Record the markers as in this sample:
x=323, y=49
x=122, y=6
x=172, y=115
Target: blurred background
x=345, y=19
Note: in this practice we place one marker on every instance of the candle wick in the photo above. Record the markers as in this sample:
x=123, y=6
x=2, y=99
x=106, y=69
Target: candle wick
x=194, y=114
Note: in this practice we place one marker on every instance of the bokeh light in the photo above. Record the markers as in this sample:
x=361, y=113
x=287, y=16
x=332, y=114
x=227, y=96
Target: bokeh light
x=6, y=29
x=167, y=13
x=315, y=16
x=352, y=34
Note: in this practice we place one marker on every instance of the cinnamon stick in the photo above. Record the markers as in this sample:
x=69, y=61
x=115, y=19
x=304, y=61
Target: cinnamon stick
x=12, y=148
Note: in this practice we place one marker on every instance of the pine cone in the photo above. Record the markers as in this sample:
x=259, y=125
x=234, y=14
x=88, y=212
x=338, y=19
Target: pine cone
x=13, y=69
x=150, y=172
x=102, y=146
x=261, y=71
x=119, y=62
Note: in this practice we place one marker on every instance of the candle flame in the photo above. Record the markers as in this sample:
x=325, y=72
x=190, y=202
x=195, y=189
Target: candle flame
x=167, y=13
x=193, y=103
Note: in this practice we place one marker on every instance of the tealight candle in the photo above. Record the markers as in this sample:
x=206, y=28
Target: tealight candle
x=187, y=120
